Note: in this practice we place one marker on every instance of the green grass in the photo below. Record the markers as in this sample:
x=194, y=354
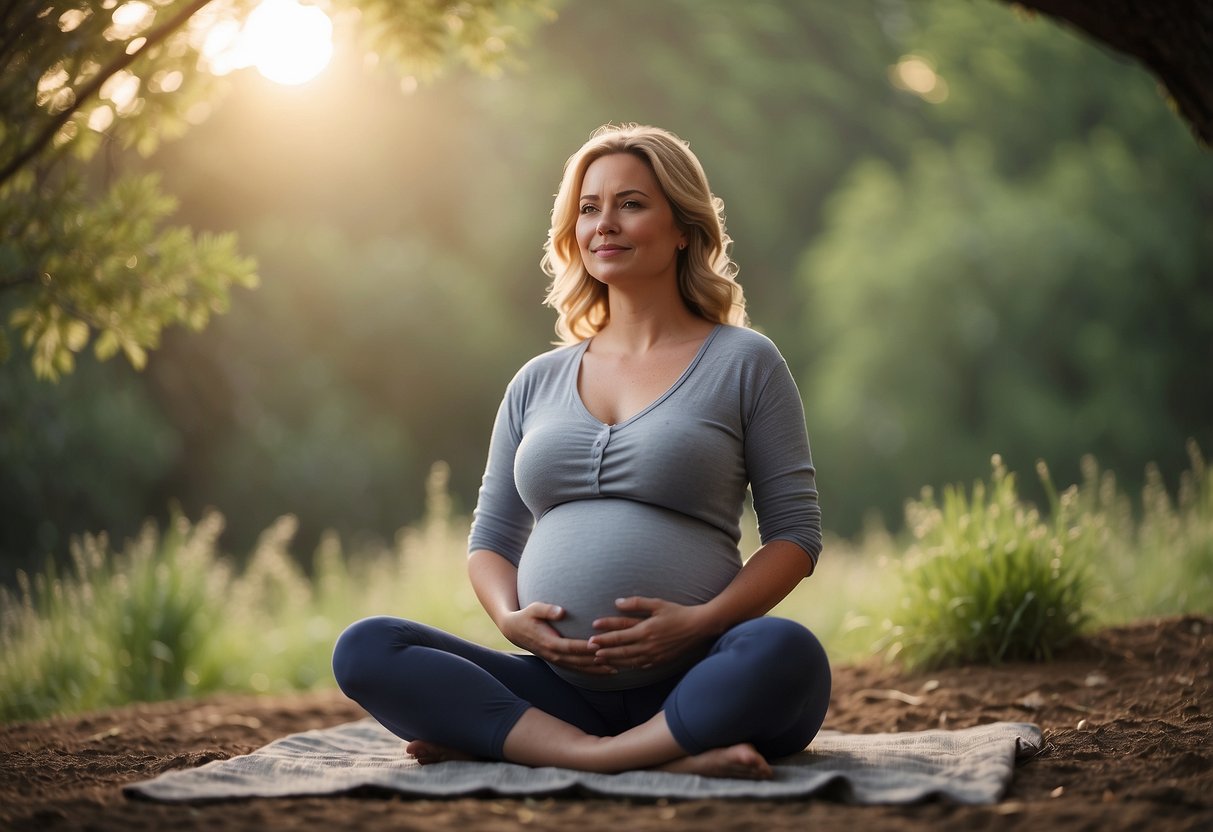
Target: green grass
x=980, y=576
x=168, y=616
x=1169, y=566
x=988, y=578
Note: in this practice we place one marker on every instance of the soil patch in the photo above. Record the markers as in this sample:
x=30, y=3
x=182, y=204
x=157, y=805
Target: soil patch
x=1127, y=715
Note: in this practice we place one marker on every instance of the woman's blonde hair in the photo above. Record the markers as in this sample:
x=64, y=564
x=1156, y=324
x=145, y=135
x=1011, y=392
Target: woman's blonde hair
x=706, y=274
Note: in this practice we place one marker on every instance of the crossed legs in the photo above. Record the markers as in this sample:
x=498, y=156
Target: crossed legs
x=761, y=693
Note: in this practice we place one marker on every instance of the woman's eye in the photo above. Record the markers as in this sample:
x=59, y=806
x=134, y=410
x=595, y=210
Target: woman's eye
x=631, y=203
x=586, y=209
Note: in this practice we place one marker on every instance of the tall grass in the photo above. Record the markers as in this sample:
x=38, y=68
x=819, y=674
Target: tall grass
x=1170, y=569
x=982, y=576
x=116, y=629
x=989, y=578
x=168, y=616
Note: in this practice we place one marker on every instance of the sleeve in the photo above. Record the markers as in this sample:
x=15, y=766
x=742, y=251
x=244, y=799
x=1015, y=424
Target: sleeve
x=501, y=522
x=779, y=465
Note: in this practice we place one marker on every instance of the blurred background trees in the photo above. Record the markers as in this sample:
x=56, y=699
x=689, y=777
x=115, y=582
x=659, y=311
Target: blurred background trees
x=1036, y=278
x=970, y=232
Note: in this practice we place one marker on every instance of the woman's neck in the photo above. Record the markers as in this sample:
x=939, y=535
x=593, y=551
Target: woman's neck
x=637, y=326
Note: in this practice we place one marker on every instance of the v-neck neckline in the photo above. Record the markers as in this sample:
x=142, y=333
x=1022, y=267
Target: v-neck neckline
x=690, y=368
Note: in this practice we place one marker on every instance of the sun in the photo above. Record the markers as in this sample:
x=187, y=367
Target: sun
x=288, y=42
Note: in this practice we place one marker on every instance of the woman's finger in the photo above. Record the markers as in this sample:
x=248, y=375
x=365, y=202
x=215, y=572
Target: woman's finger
x=613, y=623
x=573, y=647
x=545, y=612
x=639, y=603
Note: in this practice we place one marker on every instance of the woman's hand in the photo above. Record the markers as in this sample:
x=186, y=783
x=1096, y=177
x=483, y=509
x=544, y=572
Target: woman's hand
x=668, y=631
x=495, y=580
x=529, y=628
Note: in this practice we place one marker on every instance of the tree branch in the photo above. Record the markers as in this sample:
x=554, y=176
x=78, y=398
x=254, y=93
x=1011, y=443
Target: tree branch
x=94, y=85
x=20, y=280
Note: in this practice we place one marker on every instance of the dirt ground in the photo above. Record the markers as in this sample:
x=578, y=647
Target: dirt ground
x=1127, y=716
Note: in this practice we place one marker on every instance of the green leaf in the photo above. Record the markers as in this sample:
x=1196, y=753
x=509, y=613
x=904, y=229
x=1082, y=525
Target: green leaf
x=135, y=354
x=107, y=345
x=75, y=335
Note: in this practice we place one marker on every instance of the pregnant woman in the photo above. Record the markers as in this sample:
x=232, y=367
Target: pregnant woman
x=605, y=539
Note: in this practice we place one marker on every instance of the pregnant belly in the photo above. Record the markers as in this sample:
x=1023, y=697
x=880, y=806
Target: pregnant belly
x=583, y=555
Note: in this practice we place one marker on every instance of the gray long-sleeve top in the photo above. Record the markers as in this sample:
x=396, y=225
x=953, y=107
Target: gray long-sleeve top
x=651, y=506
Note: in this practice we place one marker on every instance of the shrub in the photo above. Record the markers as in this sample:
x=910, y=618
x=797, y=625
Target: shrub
x=161, y=602
x=989, y=579
x=119, y=628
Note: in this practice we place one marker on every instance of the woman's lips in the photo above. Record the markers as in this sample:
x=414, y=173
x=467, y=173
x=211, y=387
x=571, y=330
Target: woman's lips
x=609, y=251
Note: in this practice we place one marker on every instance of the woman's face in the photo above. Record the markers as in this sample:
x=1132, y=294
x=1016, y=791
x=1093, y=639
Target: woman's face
x=625, y=225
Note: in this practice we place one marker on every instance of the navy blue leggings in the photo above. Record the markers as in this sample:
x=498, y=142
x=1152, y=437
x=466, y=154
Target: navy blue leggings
x=765, y=681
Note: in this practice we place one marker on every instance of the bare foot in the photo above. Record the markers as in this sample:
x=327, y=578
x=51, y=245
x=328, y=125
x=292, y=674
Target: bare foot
x=741, y=761
x=428, y=752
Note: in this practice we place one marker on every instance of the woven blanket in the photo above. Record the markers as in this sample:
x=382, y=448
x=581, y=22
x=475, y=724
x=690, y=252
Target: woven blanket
x=972, y=765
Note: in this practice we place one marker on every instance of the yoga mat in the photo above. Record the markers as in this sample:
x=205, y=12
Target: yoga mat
x=971, y=765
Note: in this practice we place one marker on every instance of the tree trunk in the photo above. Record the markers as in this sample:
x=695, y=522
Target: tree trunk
x=1171, y=38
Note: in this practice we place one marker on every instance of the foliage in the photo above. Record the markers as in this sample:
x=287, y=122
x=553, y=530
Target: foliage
x=117, y=630
x=1170, y=567
x=109, y=267
x=79, y=77
x=989, y=579
x=170, y=616
x=422, y=36
x=962, y=300
x=86, y=453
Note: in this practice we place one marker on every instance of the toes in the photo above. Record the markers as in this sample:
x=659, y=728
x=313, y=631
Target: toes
x=747, y=762
x=422, y=751
x=749, y=772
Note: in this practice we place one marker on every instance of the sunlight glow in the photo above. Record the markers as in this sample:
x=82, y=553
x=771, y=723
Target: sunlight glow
x=101, y=118
x=129, y=20
x=164, y=81
x=72, y=18
x=221, y=47
x=916, y=75
x=122, y=89
x=286, y=41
